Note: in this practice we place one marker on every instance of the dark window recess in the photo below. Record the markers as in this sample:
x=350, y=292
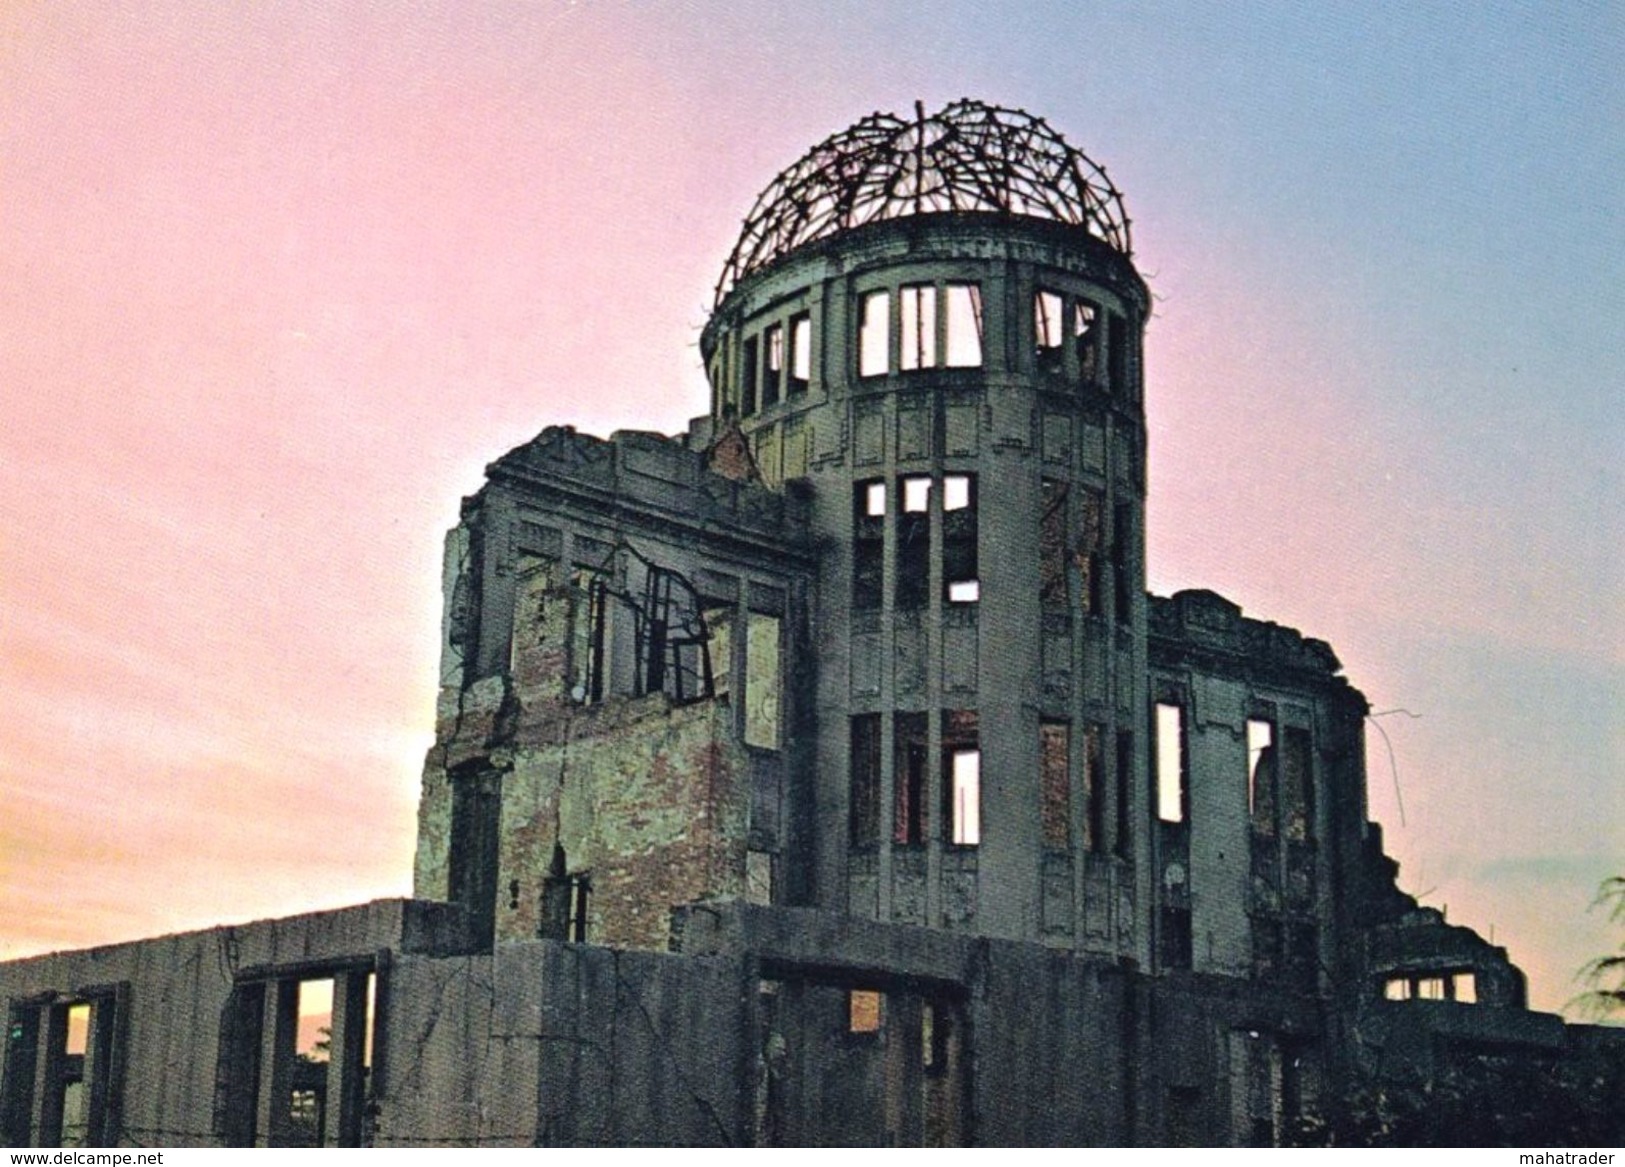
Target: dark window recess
x=911, y=751
x=1125, y=771
x=1094, y=792
x=1052, y=544
x=864, y=811
x=748, y=373
x=1266, y=946
x=476, y=807
x=913, y=584
x=1122, y=560
x=800, y=353
x=961, y=778
x=868, y=544
x=773, y=365
x=960, y=581
x=1264, y=779
x=1091, y=531
x=564, y=901
x=1054, y=750
x=1174, y=941
x=1117, y=340
x=1297, y=785
x=1086, y=341
x=1303, y=956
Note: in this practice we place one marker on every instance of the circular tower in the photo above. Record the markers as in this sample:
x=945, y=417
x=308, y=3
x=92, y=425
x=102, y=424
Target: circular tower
x=935, y=322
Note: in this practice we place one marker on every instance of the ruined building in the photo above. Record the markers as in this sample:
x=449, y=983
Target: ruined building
x=826, y=774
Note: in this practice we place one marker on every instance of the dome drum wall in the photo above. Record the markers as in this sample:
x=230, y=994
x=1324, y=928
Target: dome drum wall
x=963, y=393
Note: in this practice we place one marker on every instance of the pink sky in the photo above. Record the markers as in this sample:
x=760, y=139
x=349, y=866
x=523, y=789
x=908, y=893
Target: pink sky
x=277, y=281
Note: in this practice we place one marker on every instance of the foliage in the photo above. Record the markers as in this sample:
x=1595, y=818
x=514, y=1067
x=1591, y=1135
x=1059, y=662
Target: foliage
x=1604, y=977
x=1482, y=1101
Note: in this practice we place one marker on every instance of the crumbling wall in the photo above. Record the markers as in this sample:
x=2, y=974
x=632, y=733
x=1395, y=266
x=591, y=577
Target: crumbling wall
x=551, y=1044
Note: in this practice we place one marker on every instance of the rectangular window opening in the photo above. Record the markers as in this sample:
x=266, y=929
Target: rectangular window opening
x=1055, y=791
x=1397, y=989
x=868, y=545
x=959, y=539
x=910, y=753
x=964, y=326
x=1170, y=751
x=1125, y=771
x=864, y=810
x=748, y=375
x=913, y=584
x=1094, y=792
x=1123, y=561
x=918, y=325
x=1091, y=532
x=773, y=365
x=800, y=353
x=864, y=1010
x=962, y=778
x=1086, y=341
x=1430, y=988
x=1052, y=581
x=1465, y=988
x=1048, y=327
x=1297, y=793
x=1260, y=736
x=874, y=335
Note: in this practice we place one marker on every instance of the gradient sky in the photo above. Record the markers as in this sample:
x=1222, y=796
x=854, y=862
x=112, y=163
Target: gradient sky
x=277, y=281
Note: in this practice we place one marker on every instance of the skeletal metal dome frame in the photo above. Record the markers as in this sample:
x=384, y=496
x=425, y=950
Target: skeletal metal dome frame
x=969, y=157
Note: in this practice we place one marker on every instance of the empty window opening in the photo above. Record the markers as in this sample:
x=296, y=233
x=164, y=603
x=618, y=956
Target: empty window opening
x=962, y=778
x=71, y=1078
x=1086, y=340
x=864, y=1009
x=1094, y=790
x=773, y=365
x=1170, y=751
x=1117, y=352
x=910, y=753
x=312, y=1051
x=1430, y=988
x=918, y=325
x=672, y=641
x=913, y=584
x=1465, y=988
x=864, y=811
x=868, y=545
x=1055, y=793
x=1125, y=770
x=748, y=374
x=1048, y=330
x=959, y=538
x=763, y=682
x=1260, y=737
x=565, y=901
x=1174, y=937
x=1091, y=531
x=1052, y=589
x=800, y=353
x=1297, y=793
x=874, y=335
x=1397, y=989
x=964, y=326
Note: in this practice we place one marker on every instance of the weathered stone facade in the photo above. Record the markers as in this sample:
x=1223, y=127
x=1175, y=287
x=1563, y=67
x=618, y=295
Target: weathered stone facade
x=826, y=775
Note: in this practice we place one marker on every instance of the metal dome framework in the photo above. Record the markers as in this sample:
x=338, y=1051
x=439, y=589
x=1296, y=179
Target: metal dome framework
x=969, y=157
